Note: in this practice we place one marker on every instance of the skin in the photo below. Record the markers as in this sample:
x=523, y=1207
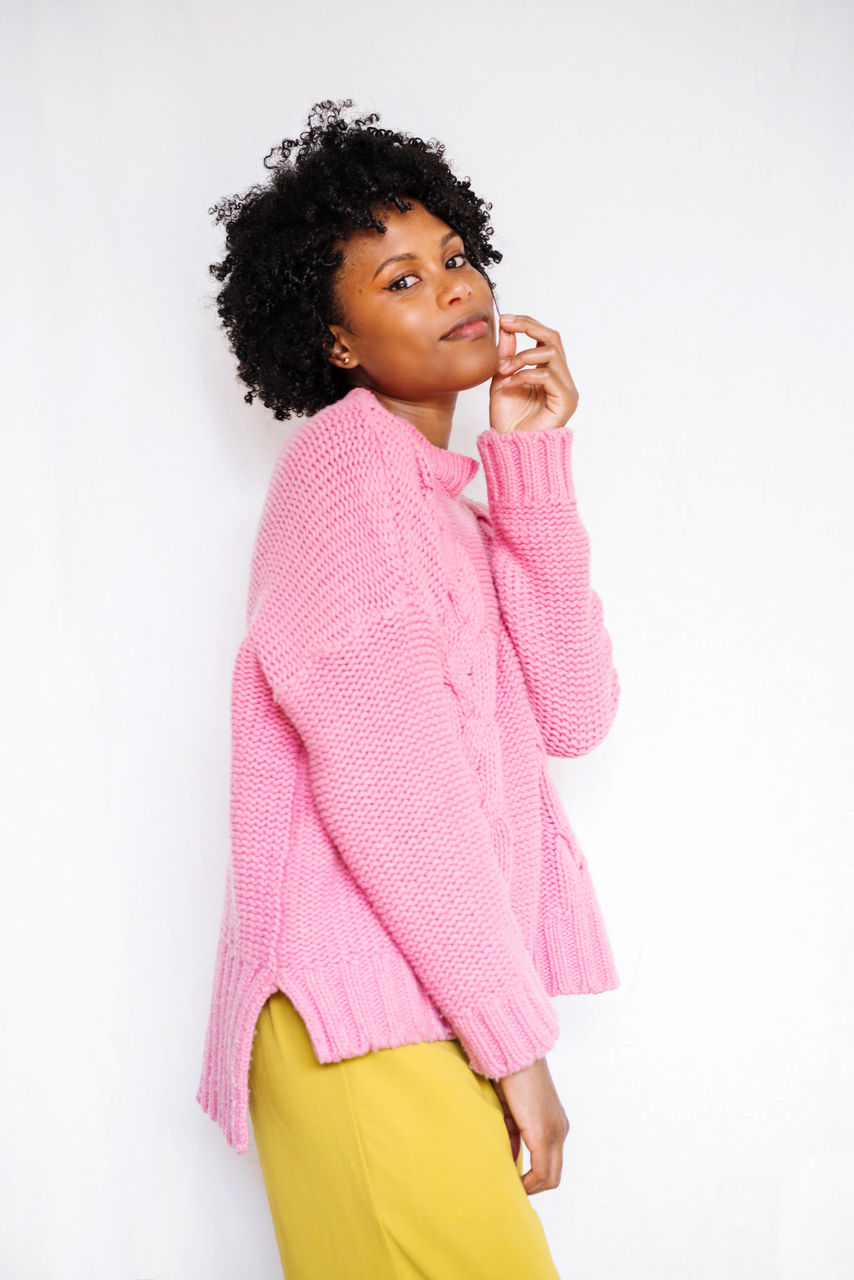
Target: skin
x=393, y=341
x=393, y=344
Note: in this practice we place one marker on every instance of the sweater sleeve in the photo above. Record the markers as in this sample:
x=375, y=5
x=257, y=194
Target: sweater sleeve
x=540, y=557
x=399, y=798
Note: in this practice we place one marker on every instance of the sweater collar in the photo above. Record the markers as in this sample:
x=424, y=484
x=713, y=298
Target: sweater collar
x=452, y=470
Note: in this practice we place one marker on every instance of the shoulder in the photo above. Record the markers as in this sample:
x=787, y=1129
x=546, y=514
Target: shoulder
x=335, y=527
x=346, y=451
x=335, y=479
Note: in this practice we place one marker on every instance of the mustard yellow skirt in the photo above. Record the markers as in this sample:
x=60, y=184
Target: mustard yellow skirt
x=396, y=1164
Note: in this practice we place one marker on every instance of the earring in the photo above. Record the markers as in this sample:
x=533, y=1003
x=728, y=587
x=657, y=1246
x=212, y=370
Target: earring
x=346, y=359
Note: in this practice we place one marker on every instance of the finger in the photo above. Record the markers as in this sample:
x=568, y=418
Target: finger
x=522, y=378
x=513, y=1133
x=556, y=1163
x=545, y=376
x=533, y=355
x=506, y=342
x=527, y=324
x=510, y=1123
x=537, y=1176
x=546, y=1168
x=543, y=334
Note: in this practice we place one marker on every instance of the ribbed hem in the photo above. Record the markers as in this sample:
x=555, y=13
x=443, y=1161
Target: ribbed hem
x=510, y=1030
x=238, y=997
x=375, y=1002
x=349, y=1008
x=368, y=1002
x=528, y=468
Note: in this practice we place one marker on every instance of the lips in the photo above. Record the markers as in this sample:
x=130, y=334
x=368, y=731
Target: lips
x=474, y=318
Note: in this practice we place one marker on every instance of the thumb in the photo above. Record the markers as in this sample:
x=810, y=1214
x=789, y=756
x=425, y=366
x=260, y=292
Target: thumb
x=506, y=342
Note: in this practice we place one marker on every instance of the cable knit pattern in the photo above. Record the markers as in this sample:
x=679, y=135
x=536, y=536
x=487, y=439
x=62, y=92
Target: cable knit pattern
x=401, y=865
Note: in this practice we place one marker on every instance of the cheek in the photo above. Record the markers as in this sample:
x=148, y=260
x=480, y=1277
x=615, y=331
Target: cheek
x=406, y=335
x=486, y=295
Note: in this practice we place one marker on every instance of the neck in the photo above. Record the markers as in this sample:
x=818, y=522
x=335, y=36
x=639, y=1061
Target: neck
x=433, y=416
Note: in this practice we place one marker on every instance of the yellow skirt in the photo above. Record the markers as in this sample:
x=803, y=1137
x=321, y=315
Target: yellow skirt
x=396, y=1164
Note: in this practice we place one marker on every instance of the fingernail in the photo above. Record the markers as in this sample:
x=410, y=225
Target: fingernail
x=507, y=316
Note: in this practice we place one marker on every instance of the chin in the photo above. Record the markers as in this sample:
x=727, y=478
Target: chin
x=479, y=368
x=484, y=372
x=476, y=380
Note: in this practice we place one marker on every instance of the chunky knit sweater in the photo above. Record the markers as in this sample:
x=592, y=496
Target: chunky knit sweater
x=401, y=865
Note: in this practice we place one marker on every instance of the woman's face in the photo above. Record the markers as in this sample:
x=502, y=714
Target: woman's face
x=400, y=311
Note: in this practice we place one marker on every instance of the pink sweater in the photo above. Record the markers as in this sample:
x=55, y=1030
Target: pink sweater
x=401, y=865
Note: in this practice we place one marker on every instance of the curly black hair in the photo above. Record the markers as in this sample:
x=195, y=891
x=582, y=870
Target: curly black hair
x=279, y=268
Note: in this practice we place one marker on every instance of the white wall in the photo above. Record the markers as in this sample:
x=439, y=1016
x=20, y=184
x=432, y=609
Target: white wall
x=672, y=189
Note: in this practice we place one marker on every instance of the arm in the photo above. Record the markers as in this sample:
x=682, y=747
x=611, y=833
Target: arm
x=403, y=807
x=354, y=661
x=540, y=556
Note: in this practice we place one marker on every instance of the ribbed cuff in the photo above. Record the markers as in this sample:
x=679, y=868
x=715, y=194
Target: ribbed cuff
x=509, y=1031
x=527, y=468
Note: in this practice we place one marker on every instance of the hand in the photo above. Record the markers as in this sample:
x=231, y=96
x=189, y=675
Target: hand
x=523, y=399
x=533, y=1110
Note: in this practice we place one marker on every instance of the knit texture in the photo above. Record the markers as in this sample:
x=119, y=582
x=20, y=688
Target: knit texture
x=401, y=865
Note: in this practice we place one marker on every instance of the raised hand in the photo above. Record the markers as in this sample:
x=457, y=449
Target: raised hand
x=525, y=399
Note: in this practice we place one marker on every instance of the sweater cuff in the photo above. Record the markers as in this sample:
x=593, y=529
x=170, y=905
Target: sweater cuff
x=509, y=1031
x=527, y=468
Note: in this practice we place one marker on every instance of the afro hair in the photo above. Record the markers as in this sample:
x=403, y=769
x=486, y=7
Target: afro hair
x=278, y=274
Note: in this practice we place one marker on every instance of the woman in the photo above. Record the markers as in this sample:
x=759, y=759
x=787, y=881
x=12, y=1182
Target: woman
x=405, y=892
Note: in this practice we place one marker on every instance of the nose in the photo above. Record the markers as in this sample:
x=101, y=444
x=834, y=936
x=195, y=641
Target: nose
x=455, y=290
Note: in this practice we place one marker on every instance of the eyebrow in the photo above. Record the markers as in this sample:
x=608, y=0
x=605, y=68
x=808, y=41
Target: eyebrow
x=402, y=257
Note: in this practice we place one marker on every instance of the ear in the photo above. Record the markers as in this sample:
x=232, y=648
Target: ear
x=341, y=355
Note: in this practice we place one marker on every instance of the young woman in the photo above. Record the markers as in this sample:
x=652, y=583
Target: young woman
x=405, y=893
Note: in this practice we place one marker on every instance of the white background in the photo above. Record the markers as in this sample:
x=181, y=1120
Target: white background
x=672, y=190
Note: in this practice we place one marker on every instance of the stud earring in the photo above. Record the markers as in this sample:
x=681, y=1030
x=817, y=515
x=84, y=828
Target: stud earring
x=346, y=359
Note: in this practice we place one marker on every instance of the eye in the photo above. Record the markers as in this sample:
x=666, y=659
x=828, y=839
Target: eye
x=394, y=287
